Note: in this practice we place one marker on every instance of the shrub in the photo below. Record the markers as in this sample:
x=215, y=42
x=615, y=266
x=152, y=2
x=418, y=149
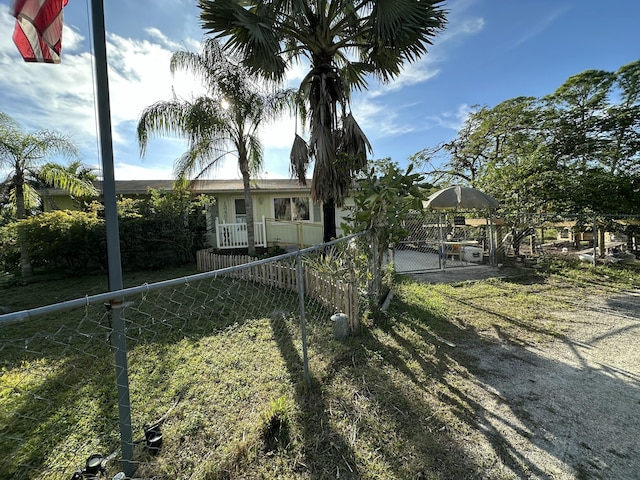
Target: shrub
x=65, y=238
x=9, y=251
x=165, y=229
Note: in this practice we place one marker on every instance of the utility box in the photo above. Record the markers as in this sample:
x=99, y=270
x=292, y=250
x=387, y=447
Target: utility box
x=472, y=254
x=340, y=326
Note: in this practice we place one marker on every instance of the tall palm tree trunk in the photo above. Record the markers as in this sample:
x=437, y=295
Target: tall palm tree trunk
x=248, y=201
x=329, y=213
x=23, y=241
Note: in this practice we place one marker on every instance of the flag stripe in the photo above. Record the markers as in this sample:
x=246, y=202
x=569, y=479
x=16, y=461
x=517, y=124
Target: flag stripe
x=38, y=29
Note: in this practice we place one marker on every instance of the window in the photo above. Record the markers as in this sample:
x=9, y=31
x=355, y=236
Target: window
x=241, y=211
x=292, y=209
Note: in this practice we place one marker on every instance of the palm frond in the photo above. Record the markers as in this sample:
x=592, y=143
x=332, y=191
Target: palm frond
x=45, y=143
x=249, y=34
x=300, y=159
x=58, y=176
x=201, y=158
x=189, y=120
x=355, y=75
x=400, y=31
x=9, y=129
x=29, y=194
x=255, y=155
x=325, y=177
x=353, y=142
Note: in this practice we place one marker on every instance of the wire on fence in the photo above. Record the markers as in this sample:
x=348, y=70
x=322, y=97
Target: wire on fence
x=202, y=351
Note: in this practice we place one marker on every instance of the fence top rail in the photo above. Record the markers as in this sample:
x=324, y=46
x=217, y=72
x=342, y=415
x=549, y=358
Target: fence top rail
x=115, y=299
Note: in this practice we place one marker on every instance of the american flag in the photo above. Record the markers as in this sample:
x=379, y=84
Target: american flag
x=38, y=30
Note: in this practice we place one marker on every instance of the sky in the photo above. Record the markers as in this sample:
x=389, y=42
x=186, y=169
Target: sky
x=490, y=51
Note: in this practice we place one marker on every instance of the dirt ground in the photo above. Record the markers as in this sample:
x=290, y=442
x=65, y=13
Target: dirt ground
x=567, y=409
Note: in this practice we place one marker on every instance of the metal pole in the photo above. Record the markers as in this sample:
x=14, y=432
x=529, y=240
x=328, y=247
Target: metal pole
x=303, y=321
x=490, y=236
x=113, y=234
x=119, y=341
x=595, y=239
x=441, y=250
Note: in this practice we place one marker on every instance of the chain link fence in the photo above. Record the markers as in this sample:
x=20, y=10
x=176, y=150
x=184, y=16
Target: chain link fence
x=80, y=394
x=441, y=240
x=450, y=239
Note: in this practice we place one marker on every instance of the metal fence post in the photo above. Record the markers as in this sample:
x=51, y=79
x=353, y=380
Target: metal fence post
x=111, y=222
x=493, y=242
x=374, y=290
x=442, y=253
x=303, y=321
x=119, y=342
x=595, y=240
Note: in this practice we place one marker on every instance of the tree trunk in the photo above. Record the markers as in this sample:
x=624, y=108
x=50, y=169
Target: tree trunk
x=601, y=243
x=23, y=241
x=329, y=211
x=248, y=205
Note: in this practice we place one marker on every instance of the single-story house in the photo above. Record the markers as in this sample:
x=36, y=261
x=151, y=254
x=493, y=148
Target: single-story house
x=284, y=212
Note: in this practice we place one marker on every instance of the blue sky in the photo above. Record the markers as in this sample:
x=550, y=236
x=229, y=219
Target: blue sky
x=492, y=50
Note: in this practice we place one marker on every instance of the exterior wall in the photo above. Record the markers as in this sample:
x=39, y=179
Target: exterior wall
x=57, y=202
x=279, y=232
x=341, y=215
x=300, y=233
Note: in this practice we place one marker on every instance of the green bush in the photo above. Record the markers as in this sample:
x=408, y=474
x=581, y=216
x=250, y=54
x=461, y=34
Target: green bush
x=65, y=239
x=9, y=251
x=165, y=229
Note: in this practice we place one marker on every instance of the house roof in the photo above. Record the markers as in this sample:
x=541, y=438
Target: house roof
x=139, y=187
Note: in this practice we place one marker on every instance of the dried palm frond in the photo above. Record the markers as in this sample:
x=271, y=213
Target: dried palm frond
x=300, y=159
x=354, y=143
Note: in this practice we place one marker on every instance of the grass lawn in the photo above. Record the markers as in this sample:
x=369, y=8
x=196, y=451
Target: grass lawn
x=219, y=366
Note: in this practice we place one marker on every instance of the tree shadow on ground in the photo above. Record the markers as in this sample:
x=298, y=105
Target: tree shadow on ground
x=46, y=413
x=543, y=413
x=64, y=362
x=359, y=422
x=322, y=444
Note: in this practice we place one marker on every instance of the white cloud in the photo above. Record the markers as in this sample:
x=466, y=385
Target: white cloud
x=380, y=119
x=61, y=97
x=451, y=120
x=71, y=39
x=539, y=27
x=138, y=77
x=188, y=44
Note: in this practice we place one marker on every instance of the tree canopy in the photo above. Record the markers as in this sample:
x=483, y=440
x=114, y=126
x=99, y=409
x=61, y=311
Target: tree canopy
x=23, y=155
x=576, y=149
x=222, y=122
x=345, y=42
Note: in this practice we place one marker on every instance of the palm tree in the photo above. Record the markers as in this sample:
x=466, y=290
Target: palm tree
x=223, y=121
x=75, y=169
x=345, y=41
x=22, y=155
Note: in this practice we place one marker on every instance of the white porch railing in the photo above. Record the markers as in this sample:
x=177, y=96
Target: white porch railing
x=234, y=235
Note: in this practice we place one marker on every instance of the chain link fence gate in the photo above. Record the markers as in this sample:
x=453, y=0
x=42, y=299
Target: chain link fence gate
x=241, y=336
x=437, y=241
x=451, y=239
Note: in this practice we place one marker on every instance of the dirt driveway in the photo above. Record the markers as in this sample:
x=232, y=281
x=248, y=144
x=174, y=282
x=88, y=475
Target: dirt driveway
x=566, y=409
